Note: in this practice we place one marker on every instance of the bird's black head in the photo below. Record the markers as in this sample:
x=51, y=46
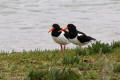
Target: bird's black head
x=55, y=27
x=72, y=31
x=54, y=30
x=71, y=27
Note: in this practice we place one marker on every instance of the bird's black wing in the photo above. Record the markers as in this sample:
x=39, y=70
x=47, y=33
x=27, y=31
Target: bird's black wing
x=82, y=37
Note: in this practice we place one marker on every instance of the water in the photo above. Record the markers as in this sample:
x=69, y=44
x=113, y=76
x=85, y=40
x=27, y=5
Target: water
x=24, y=24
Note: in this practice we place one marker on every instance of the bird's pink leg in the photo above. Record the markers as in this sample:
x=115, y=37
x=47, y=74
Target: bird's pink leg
x=64, y=48
x=61, y=47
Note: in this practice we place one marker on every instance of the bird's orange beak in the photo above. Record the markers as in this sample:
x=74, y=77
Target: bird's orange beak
x=51, y=29
x=63, y=29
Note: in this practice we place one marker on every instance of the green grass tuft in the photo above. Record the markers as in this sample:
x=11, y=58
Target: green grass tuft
x=115, y=44
x=70, y=59
x=53, y=74
x=81, y=51
x=117, y=68
x=91, y=75
x=36, y=75
x=98, y=46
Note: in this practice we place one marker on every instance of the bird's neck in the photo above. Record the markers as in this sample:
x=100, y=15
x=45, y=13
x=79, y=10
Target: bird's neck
x=55, y=32
x=72, y=34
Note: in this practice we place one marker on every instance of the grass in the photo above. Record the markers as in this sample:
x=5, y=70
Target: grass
x=100, y=61
x=98, y=46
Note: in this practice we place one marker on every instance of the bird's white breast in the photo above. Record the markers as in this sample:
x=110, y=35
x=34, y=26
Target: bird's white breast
x=75, y=41
x=61, y=39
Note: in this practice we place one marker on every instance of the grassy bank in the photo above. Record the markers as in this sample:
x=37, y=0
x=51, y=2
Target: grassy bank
x=97, y=62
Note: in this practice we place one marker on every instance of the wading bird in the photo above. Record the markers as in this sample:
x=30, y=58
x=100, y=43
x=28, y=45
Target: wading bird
x=77, y=37
x=59, y=37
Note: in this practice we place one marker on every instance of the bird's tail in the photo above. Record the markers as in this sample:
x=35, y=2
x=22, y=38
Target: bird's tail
x=91, y=38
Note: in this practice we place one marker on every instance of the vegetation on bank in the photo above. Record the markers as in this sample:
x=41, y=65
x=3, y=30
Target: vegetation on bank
x=100, y=61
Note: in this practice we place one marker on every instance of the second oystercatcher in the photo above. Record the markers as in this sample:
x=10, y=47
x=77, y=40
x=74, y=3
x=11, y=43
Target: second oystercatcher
x=59, y=37
x=77, y=37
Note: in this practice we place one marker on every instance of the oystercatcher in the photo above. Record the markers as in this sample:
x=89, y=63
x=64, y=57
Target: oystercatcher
x=59, y=37
x=77, y=37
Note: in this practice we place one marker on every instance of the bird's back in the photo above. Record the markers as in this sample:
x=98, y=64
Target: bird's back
x=82, y=37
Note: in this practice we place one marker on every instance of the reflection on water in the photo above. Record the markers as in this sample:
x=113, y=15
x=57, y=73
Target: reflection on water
x=24, y=24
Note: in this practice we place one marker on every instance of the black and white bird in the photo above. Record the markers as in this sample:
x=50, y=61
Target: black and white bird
x=77, y=37
x=59, y=37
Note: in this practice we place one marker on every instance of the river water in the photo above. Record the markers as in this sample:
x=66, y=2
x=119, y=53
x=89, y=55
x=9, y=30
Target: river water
x=24, y=24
